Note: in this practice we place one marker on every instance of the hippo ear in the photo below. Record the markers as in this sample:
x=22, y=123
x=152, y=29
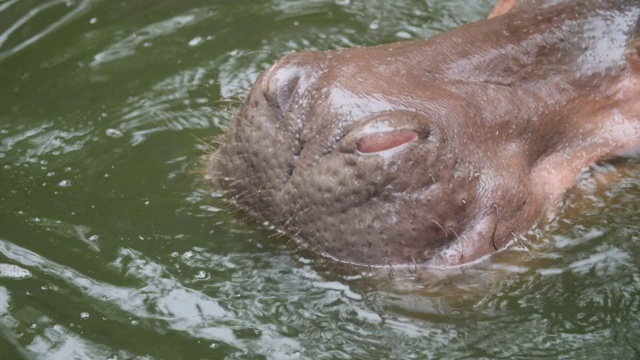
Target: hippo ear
x=502, y=7
x=508, y=6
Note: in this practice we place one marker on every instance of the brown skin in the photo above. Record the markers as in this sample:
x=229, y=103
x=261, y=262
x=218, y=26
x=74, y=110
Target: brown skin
x=439, y=151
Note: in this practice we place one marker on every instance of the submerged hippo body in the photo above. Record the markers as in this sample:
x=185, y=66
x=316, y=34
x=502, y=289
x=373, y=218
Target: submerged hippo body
x=440, y=151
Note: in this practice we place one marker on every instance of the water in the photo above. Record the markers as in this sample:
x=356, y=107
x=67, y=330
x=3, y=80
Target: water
x=113, y=247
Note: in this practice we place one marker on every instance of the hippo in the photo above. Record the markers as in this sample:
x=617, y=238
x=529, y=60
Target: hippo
x=436, y=152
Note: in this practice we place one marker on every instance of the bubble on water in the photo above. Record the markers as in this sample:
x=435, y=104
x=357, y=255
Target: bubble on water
x=84, y=315
x=374, y=26
x=94, y=237
x=9, y=271
x=201, y=275
x=93, y=20
x=188, y=254
x=114, y=133
x=64, y=183
x=196, y=41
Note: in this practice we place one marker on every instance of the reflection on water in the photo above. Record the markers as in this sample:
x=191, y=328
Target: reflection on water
x=112, y=247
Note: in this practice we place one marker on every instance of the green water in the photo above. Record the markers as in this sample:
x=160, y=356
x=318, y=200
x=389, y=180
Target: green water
x=113, y=247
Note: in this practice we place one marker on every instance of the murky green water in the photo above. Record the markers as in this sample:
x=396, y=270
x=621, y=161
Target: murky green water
x=112, y=246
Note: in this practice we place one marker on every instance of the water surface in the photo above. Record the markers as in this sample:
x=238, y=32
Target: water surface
x=113, y=247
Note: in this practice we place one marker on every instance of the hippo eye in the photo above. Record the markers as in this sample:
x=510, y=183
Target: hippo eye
x=385, y=141
x=385, y=131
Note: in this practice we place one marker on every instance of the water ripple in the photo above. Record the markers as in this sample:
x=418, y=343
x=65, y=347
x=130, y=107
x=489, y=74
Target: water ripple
x=127, y=46
x=74, y=10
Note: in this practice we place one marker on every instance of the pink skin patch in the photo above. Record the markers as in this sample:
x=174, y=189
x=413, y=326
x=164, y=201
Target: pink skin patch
x=385, y=141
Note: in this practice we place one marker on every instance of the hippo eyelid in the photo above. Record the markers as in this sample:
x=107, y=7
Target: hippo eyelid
x=378, y=142
x=385, y=131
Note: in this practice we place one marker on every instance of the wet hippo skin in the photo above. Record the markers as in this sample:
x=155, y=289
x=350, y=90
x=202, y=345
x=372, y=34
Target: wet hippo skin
x=440, y=151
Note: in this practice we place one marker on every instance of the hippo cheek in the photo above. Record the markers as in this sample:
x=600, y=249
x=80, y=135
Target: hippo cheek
x=366, y=224
x=396, y=205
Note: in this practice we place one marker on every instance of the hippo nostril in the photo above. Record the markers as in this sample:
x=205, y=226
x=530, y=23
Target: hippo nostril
x=385, y=141
x=280, y=84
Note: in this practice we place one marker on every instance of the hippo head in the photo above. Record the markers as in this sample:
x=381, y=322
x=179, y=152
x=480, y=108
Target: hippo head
x=433, y=151
x=368, y=157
